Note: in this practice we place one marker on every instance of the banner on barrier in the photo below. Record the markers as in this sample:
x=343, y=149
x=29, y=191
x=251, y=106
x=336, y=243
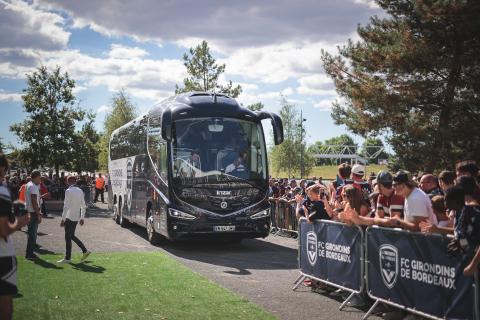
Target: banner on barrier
x=332, y=252
x=416, y=271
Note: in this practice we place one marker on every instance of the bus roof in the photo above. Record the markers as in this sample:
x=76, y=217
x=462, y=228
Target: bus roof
x=202, y=104
x=195, y=105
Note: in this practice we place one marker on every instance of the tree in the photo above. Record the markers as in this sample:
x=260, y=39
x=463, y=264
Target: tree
x=122, y=111
x=2, y=146
x=373, y=149
x=85, y=155
x=414, y=76
x=204, y=72
x=287, y=156
x=256, y=106
x=48, y=134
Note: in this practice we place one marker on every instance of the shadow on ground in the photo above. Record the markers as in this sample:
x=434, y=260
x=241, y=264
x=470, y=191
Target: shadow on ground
x=247, y=255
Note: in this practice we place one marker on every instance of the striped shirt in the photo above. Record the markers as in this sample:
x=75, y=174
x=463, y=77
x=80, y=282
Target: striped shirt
x=388, y=204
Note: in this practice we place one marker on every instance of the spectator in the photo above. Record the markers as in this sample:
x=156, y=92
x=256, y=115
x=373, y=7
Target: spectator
x=446, y=179
x=44, y=195
x=8, y=225
x=469, y=220
x=469, y=168
x=14, y=187
x=356, y=208
x=343, y=174
x=32, y=201
x=358, y=171
x=417, y=205
x=440, y=211
x=73, y=212
x=429, y=185
x=99, y=188
x=454, y=201
x=389, y=204
x=23, y=186
x=312, y=208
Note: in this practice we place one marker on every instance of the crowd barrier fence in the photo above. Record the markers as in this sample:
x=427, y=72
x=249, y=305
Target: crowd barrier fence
x=332, y=252
x=283, y=217
x=408, y=270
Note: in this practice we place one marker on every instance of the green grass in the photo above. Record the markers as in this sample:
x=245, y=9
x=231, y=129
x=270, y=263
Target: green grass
x=328, y=172
x=124, y=286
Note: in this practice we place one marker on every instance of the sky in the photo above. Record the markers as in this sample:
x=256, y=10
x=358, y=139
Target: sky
x=271, y=48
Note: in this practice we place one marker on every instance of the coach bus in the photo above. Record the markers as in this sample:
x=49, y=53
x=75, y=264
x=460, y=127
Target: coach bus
x=194, y=165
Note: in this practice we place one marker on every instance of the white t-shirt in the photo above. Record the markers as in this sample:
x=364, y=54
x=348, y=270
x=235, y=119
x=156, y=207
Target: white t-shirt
x=30, y=189
x=418, y=204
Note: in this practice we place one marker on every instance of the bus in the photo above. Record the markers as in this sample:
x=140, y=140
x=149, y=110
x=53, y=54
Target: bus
x=195, y=165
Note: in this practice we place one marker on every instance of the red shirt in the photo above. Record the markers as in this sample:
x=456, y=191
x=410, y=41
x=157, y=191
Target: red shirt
x=389, y=204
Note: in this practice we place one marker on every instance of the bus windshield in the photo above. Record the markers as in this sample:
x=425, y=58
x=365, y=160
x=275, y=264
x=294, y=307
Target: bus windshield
x=218, y=149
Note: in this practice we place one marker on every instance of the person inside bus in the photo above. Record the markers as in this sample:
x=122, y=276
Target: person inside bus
x=238, y=167
x=189, y=167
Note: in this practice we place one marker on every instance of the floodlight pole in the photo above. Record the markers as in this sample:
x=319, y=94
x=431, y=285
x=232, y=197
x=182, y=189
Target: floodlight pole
x=301, y=144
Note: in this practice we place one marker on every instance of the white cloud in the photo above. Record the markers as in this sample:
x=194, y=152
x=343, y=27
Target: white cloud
x=104, y=109
x=230, y=24
x=27, y=26
x=119, y=51
x=326, y=104
x=10, y=96
x=140, y=76
x=369, y=3
x=277, y=63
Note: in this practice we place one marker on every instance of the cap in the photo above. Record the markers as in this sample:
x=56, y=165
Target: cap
x=384, y=178
x=403, y=176
x=310, y=183
x=358, y=169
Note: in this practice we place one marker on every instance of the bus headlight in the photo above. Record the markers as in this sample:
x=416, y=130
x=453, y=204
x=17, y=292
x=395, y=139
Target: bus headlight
x=261, y=214
x=181, y=215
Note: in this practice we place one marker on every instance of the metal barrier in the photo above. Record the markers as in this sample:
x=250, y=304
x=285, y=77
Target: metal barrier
x=402, y=268
x=333, y=253
x=283, y=217
x=397, y=267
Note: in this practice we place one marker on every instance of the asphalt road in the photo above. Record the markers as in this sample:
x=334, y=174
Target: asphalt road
x=261, y=270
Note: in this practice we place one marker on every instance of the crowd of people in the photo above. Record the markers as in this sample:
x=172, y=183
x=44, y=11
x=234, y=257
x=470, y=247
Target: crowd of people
x=22, y=204
x=447, y=203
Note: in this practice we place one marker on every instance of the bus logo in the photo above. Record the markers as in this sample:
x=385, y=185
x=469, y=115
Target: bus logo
x=224, y=193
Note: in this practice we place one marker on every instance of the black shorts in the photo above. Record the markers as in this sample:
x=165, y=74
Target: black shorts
x=8, y=276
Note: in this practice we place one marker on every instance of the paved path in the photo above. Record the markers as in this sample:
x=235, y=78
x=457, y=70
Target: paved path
x=263, y=270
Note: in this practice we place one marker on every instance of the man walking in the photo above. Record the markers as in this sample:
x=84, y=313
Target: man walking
x=73, y=211
x=32, y=203
x=99, y=187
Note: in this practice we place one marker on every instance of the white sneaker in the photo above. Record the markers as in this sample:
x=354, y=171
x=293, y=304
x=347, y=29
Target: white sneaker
x=64, y=261
x=85, y=255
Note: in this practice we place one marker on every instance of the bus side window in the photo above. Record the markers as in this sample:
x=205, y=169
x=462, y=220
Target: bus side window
x=163, y=161
x=157, y=148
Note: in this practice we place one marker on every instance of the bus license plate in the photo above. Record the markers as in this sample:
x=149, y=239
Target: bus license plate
x=223, y=228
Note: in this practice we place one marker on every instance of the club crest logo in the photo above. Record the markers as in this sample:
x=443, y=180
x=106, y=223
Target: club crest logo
x=312, y=247
x=388, y=255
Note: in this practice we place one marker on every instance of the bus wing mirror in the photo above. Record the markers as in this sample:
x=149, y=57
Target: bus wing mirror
x=167, y=125
x=277, y=125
